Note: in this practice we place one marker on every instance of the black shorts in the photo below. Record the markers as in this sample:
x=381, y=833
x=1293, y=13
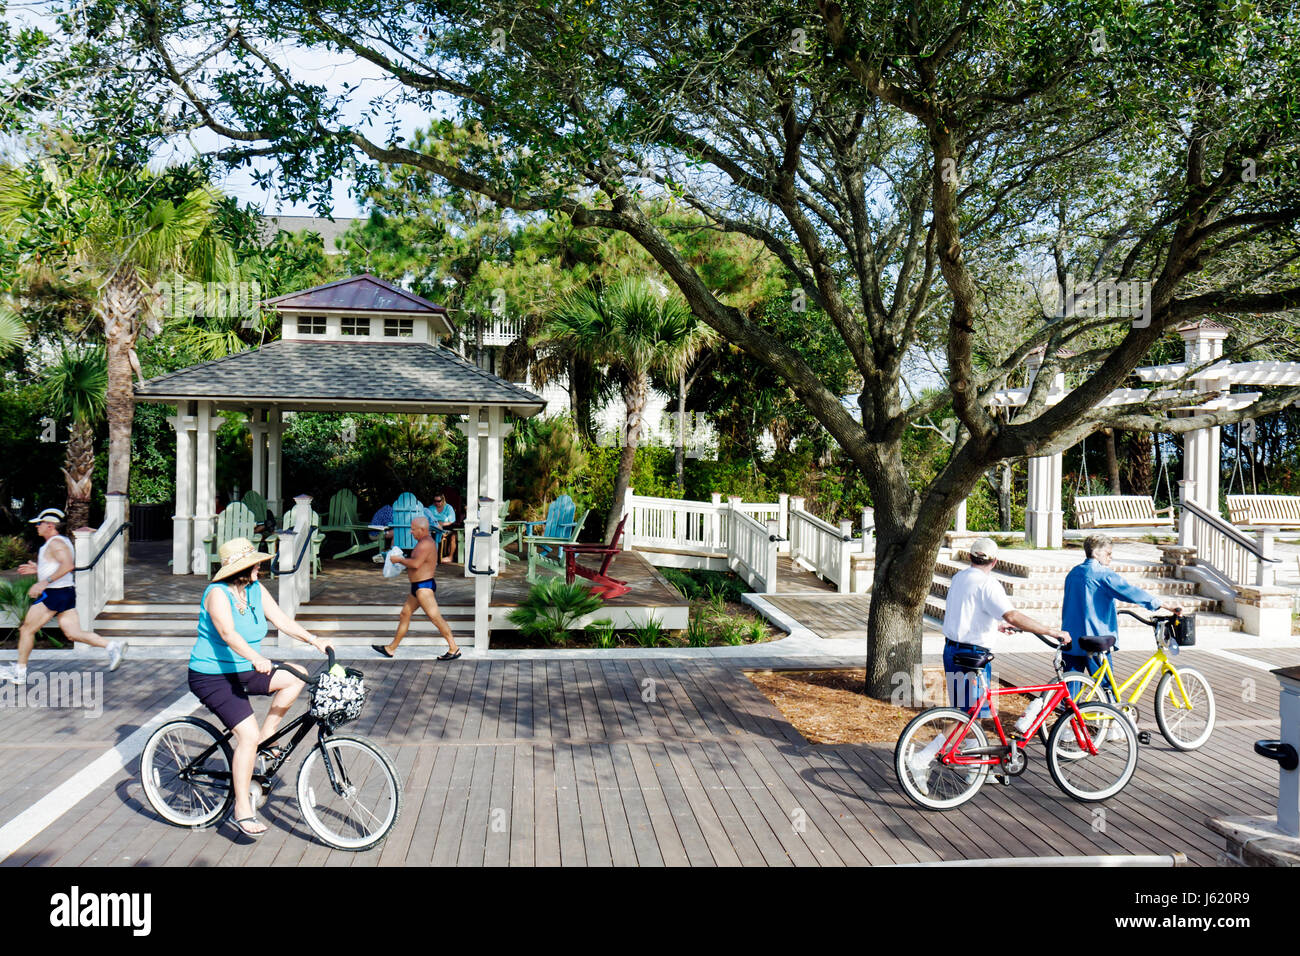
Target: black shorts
x=58, y=600
x=418, y=586
x=226, y=695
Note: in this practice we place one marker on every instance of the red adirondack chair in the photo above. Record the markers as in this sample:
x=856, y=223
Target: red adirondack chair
x=604, y=586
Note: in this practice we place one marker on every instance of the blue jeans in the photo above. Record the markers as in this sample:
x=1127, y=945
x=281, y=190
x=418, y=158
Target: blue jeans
x=965, y=687
x=1087, y=664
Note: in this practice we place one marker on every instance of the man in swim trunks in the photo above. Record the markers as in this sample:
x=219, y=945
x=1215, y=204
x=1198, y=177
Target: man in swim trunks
x=56, y=596
x=420, y=569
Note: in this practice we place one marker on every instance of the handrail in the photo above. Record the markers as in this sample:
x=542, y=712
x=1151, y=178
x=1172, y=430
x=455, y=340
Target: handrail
x=95, y=560
x=820, y=524
x=301, y=552
x=1228, y=531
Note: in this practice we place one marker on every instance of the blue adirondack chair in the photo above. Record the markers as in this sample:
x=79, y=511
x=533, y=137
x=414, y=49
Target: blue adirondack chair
x=406, y=507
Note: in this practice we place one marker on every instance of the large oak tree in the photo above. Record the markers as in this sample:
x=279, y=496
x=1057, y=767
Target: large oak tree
x=899, y=160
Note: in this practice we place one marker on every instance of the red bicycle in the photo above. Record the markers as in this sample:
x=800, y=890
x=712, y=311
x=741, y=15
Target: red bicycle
x=944, y=755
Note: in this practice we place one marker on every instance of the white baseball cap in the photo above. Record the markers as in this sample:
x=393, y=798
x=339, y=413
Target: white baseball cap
x=49, y=514
x=985, y=547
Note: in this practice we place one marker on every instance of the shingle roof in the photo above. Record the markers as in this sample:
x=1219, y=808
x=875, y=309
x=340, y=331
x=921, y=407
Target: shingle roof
x=364, y=293
x=413, y=377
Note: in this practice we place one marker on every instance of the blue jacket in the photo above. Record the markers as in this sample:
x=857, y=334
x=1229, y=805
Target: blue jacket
x=1091, y=590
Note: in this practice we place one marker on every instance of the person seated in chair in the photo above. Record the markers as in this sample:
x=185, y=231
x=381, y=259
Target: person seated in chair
x=442, y=521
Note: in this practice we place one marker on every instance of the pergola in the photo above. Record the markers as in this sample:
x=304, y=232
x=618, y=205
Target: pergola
x=1203, y=349
x=356, y=345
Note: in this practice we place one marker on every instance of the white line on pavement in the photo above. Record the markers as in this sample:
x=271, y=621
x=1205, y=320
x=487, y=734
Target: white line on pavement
x=67, y=795
x=1241, y=659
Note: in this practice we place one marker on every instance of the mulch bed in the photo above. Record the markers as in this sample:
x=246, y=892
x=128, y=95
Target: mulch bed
x=828, y=706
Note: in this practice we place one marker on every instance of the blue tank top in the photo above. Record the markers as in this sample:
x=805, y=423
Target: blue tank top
x=211, y=654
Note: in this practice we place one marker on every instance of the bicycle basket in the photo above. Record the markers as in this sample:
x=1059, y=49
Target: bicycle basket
x=1182, y=630
x=337, y=700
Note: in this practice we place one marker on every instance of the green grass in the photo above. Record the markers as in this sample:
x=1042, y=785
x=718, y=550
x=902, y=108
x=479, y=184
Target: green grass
x=649, y=634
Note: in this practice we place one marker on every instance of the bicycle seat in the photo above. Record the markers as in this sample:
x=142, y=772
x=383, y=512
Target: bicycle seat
x=1099, y=644
x=972, y=660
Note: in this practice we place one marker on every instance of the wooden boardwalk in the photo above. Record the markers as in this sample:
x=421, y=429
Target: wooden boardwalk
x=635, y=762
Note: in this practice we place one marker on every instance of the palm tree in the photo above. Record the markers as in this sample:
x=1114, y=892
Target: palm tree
x=77, y=386
x=632, y=329
x=116, y=231
x=13, y=333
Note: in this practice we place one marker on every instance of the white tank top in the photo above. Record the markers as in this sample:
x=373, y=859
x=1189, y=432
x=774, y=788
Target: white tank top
x=47, y=565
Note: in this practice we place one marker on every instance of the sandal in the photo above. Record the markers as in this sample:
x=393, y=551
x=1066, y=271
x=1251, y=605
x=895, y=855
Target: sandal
x=247, y=832
x=274, y=752
x=381, y=650
x=449, y=656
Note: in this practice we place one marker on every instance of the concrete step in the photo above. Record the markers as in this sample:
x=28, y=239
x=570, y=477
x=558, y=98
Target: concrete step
x=1009, y=567
x=1207, y=614
x=1031, y=587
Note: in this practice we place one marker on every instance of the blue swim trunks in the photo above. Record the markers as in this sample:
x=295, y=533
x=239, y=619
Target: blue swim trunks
x=431, y=584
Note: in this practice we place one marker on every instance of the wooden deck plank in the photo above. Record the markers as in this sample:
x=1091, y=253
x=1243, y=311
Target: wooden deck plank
x=546, y=818
x=522, y=798
x=668, y=840
x=635, y=807
x=572, y=841
x=618, y=831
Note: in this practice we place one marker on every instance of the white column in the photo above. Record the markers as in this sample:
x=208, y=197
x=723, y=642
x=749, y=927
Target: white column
x=257, y=427
x=1202, y=344
x=959, y=519
x=205, y=491
x=494, y=454
x=274, y=461
x=472, y=492
x=115, y=573
x=1044, y=518
x=183, y=519
x=84, y=581
x=783, y=517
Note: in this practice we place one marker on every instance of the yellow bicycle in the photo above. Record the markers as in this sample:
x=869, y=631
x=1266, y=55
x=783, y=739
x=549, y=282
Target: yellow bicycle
x=1184, y=701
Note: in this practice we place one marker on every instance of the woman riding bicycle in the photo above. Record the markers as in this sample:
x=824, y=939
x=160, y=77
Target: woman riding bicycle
x=226, y=666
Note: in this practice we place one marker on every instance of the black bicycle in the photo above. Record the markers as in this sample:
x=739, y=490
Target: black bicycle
x=348, y=790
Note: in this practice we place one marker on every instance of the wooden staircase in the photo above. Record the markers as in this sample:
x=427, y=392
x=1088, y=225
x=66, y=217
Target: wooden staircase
x=1038, y=590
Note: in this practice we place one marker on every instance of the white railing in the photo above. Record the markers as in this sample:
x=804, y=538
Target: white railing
x=704, y=528
x=1238, y=558
x=101, y=561
x=293, y=560
x=498, y=331
x=674, y=525
x=821, y=547
x=751, y=549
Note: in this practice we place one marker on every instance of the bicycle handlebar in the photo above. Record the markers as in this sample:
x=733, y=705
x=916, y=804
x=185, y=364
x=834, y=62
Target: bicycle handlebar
x=293, y=668
x=1151, y=621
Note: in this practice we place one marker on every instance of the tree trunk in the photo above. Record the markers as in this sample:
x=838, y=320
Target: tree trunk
x=634, y=399
x=79, y=473
x=1112, y=461
x=119, y=307
x=903, y=574
x=1004, y=496
x=680, y=462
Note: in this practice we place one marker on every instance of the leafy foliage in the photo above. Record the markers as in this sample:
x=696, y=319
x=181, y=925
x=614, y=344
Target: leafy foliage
x=553, y=608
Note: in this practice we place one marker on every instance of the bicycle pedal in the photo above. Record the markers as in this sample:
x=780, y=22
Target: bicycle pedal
x=1144, y=736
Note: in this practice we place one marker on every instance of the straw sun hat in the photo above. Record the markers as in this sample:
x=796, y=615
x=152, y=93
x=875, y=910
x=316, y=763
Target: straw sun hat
x=238, y=554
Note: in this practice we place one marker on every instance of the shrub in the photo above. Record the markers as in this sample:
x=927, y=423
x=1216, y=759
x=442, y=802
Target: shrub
x=602, y=633
x=13, y=551
x=649, y=634
x=552, y=608
x=697, y=632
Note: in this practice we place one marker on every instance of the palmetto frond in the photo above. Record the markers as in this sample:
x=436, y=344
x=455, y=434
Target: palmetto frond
x=13, y=332
x=76, y=385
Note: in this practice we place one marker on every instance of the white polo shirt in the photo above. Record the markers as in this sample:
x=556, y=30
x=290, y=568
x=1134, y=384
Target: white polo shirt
x=974, y=609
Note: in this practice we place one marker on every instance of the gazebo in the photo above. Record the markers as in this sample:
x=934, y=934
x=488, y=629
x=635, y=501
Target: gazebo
x=356, y=345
